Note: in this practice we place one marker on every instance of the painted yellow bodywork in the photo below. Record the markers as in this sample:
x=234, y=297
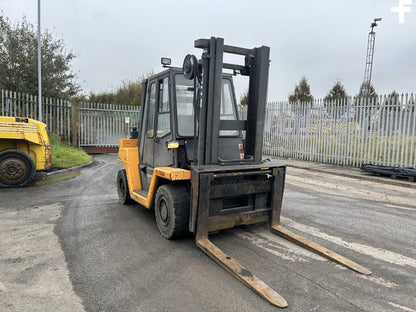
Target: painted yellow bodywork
x=29, y=137
x=128, y=154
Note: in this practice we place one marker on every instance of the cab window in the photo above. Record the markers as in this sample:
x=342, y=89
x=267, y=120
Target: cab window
x=185, y=106
x=150, y=123
x=163, y=112
x=228, y=111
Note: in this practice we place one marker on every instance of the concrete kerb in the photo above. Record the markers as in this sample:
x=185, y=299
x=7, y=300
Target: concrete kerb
x=42, y=177
x=347, y=172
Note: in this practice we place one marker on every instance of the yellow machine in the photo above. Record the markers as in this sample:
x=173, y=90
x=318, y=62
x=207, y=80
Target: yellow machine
x=200, y=166
x=24, y=148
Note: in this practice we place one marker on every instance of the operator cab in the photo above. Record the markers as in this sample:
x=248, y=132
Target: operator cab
x=168, y=124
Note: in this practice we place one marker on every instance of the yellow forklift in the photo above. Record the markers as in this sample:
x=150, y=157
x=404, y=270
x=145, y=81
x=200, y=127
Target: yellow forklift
x=24, y=148
x=199, y=166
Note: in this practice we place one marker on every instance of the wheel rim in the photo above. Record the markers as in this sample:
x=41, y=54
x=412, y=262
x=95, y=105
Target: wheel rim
x=164, y=212
x=13, y=169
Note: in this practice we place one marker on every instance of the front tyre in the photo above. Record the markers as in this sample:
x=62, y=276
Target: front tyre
x=123, y=188
x=172, y=206
x=16, y=168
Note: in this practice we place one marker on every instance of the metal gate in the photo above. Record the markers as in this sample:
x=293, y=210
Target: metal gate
x=101, y=126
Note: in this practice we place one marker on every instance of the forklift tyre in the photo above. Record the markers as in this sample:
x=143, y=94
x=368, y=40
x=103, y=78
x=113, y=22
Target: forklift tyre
x=123, y=188
x=16, y=168
x=172, y=204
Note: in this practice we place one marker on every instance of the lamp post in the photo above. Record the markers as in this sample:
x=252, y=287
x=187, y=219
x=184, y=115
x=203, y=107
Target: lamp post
x=39, y=67
x=370, y=56
x=368, y=72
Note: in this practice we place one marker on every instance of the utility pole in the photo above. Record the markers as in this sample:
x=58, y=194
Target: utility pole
x=370, y=56
x=367, y=76
x=39, y=67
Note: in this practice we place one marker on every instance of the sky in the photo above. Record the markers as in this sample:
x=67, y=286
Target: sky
x=324, y=41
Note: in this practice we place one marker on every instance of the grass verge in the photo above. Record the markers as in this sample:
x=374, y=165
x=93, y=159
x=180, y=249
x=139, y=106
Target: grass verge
x=65, y=156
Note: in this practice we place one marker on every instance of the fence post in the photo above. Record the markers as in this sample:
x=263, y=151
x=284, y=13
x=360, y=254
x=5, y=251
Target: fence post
x=74, y=123
x=307, y=145
x=297, y=128
x=347, y=129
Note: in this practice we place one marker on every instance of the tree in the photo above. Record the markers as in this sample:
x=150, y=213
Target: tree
x=366, y=96
x=128, y=93
x=337, y=95
x=337, y=92
x=393, y=101
x=18, y=61
x=366, y=90
x=301, y=93
x=366, y=101
x=244, y=98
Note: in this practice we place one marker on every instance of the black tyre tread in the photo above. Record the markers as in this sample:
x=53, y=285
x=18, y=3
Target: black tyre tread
x=180, y=200
x=127, y=200
x=181, y=203
x=30, y=162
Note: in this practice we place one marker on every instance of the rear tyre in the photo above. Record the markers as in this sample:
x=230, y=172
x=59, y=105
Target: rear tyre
x=16, y=168
x=123, y=188
x=172, y=206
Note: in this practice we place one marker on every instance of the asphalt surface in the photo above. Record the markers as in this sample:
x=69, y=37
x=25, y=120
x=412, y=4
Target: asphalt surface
x=117, y=260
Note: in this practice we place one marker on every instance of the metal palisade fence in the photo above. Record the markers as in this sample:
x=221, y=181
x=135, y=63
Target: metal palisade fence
x=83, y=124
x=350, y=131
x=104, y=124
x=56, y=113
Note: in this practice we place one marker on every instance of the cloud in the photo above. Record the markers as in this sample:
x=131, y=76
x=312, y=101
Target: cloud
x=325, y=41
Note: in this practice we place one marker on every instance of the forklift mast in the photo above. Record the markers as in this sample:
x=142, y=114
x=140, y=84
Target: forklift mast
x=257, y=68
